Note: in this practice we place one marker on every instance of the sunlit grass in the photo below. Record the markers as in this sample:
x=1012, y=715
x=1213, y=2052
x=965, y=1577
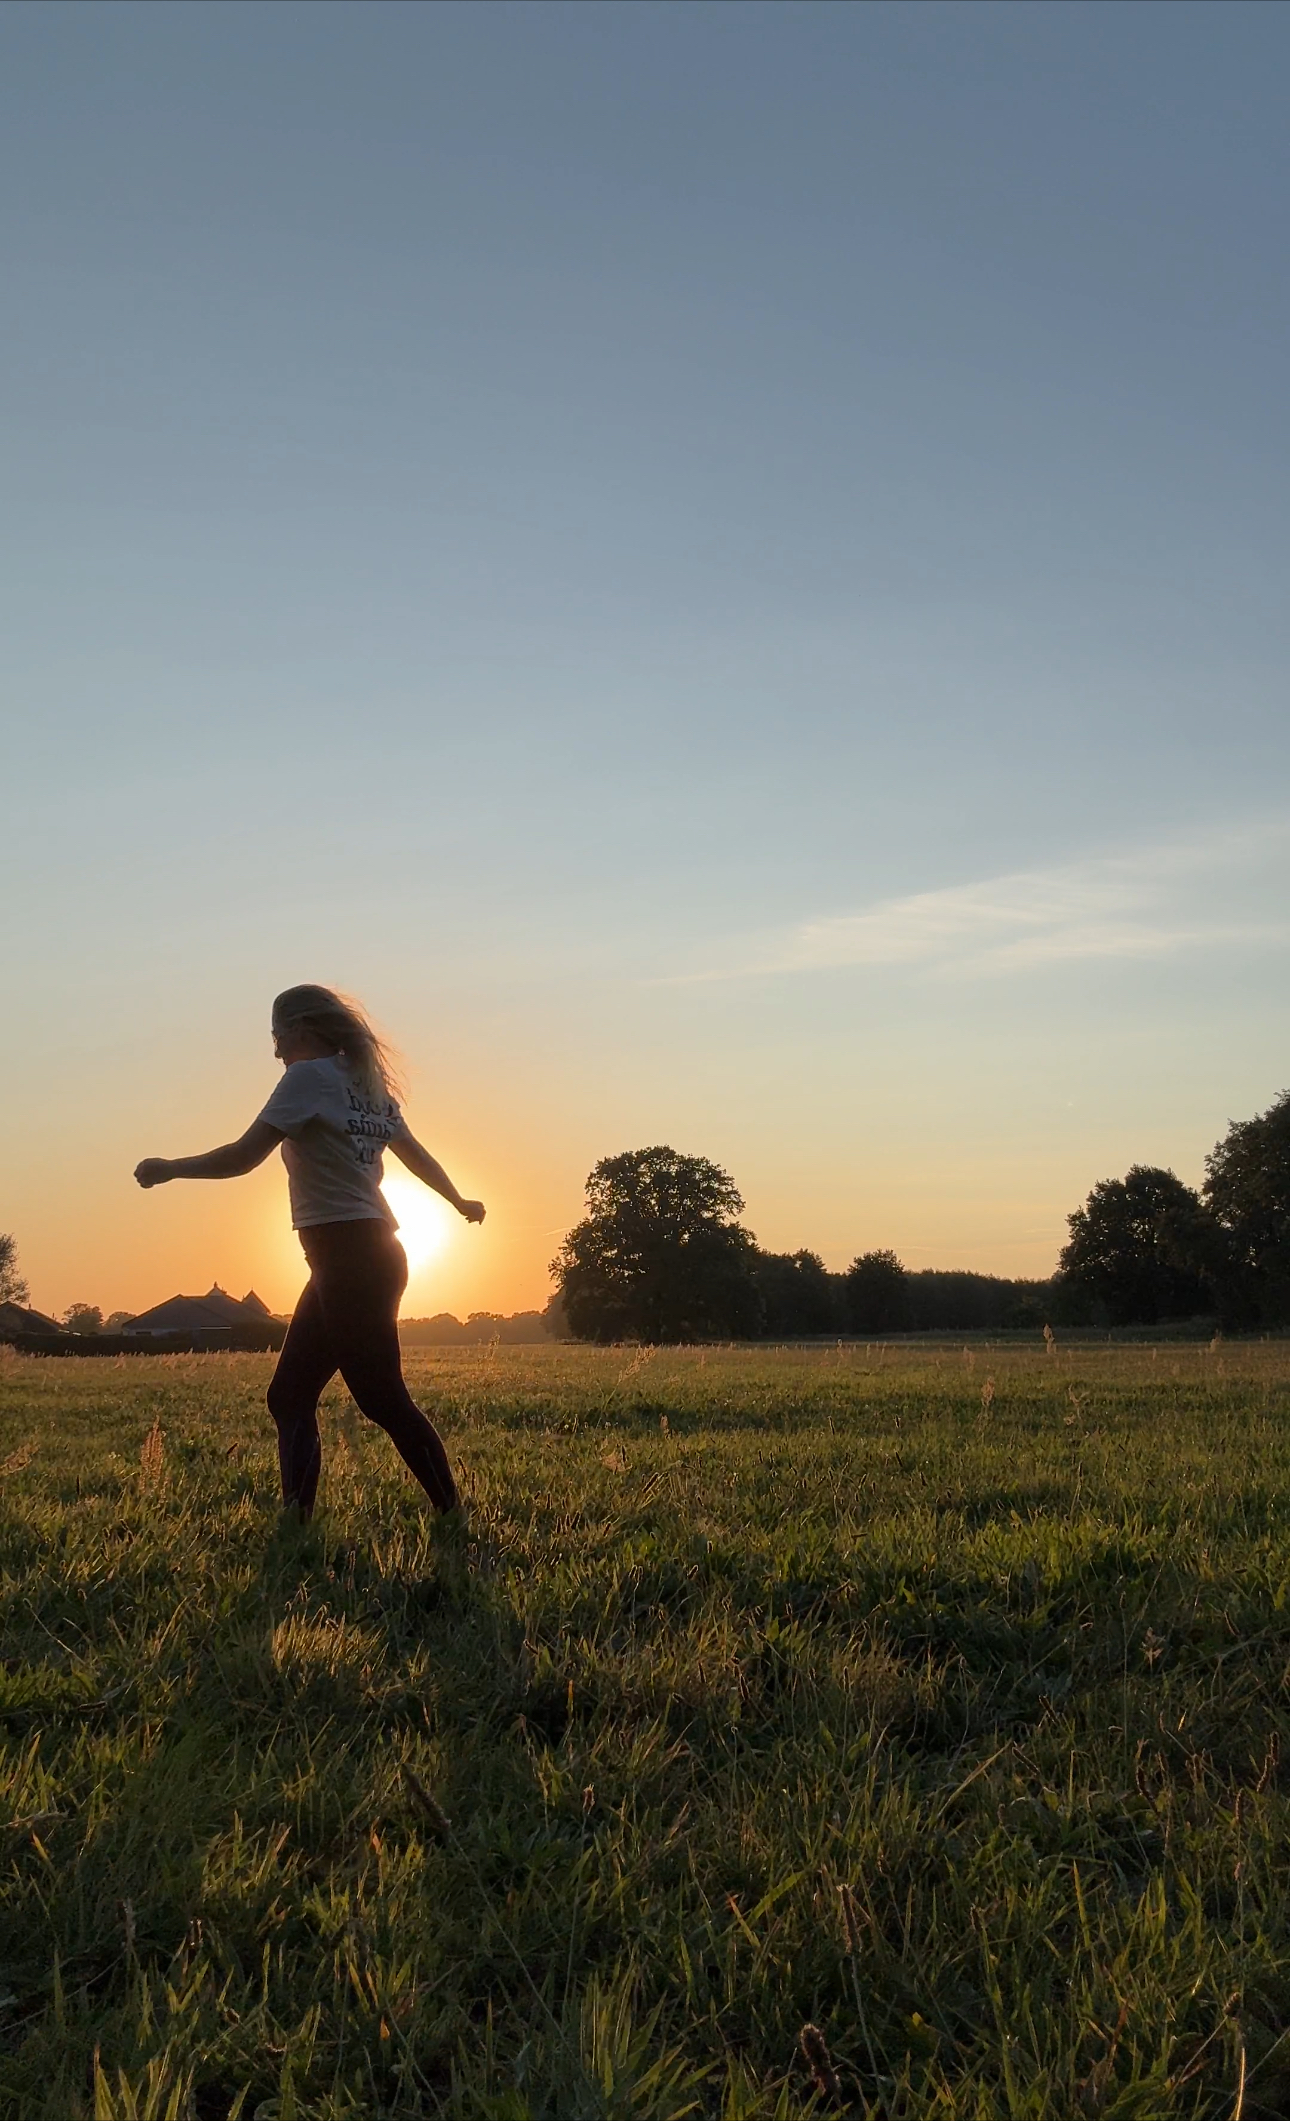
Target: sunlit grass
x=351, y=1824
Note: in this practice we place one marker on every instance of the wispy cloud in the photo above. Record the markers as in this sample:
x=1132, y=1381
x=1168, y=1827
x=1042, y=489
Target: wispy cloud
x=1154, y=903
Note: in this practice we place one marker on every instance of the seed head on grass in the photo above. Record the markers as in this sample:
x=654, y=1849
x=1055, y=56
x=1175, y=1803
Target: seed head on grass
x=850, y=1919
x=152, y=1453
x=815, y=2051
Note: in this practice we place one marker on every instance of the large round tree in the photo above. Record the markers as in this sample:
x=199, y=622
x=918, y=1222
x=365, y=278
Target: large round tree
x=1141, y=1249
x=659, y=1255
x=1247, y=1187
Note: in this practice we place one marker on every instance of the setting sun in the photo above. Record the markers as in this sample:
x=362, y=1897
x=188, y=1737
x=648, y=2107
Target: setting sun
x=424, y=1220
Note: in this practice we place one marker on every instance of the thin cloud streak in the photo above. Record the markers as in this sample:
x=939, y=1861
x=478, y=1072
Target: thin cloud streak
x=1153, y=904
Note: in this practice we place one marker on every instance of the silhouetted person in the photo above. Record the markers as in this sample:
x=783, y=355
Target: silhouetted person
x=335, y=1113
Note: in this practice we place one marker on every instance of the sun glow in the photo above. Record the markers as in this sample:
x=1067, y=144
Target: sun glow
x=424, y=1220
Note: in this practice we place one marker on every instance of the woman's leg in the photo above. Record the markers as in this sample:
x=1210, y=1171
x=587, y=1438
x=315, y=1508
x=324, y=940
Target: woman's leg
x=361, y=1274
x=378, y=1387
x=304, y=1367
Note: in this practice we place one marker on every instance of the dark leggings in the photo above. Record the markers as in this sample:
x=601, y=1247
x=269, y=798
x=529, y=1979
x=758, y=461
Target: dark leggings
x=346, y=1320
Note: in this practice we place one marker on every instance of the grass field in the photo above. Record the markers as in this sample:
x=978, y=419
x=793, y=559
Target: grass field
x=937, y=1700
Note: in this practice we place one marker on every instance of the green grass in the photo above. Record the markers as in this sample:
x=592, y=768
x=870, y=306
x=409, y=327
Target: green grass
x=350, y=1823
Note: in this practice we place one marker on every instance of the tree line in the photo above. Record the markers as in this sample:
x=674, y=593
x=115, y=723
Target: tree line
x=662, y=1256
x=478, y=1329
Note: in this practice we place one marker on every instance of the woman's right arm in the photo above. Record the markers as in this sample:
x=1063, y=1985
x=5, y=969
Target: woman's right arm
x=431, y=1173
x=234, y=1160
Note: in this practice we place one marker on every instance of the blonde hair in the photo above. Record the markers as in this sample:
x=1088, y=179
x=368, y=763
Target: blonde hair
x=339, y=1017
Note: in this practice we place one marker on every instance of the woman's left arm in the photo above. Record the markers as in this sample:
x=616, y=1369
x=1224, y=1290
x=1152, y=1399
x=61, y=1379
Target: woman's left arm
x=234, y=1160
x=431, y=1173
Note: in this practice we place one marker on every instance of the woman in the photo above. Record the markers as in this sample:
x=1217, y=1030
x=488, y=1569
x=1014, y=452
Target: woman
x=334, y=1112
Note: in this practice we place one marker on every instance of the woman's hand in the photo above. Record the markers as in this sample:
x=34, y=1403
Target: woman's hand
x=153, y=1171
x=473, y=1210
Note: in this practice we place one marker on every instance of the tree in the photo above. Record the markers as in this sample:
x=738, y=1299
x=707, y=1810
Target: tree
x=13, y=1287
x=797, y=1295
x=1142, y=1248
x=1247, y=1188
x=659, y=1255
x=554, y=1319
x=83, y=1318
x=116, y=1319
x=877, y=1294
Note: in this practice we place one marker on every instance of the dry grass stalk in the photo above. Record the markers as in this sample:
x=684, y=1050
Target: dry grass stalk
x=987, y=1395
x=428, y=1803
x=30, y=1825
x=1271, y=1761
x=525, y=1666
x=18, y=1459
x=1093, y=2090
x=851, y=1923
x=1239, y=2107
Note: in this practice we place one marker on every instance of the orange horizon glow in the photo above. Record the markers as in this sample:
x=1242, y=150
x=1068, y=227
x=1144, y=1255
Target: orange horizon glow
x=981, y=1179
x=182, y=1238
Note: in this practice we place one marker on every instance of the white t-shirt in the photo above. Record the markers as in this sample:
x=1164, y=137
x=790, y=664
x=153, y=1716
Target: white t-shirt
x=335, y=1136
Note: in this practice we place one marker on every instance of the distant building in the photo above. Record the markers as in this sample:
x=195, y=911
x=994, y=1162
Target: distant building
x=16, y=1319
x=215, y=1316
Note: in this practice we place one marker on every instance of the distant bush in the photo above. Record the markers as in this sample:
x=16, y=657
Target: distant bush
x=83, y=1318
x=798, y=1298
x=956, y=1301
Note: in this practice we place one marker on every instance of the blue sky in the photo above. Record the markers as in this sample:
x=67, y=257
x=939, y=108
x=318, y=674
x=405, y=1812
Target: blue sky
x=724, y=565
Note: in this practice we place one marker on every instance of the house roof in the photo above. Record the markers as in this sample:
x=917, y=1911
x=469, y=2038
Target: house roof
x=17, y=1318
x=215, y=1311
